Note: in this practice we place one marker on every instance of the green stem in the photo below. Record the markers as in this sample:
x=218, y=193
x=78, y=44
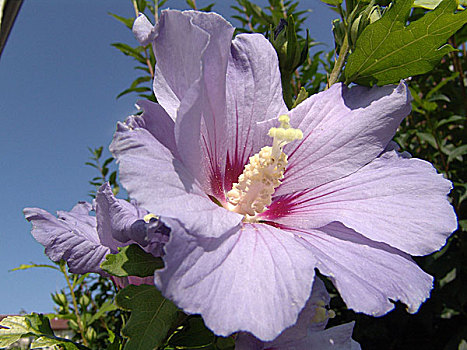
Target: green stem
x=75, y=304
x=135, y=5
x=339, y=63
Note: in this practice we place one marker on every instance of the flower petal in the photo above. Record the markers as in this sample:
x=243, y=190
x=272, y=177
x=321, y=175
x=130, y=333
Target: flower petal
x=156, y=120
x=186, y=42
x=343, y=129
x=366, y=273
x=256, y=280
x=334, y=338
x=254, y=95
x=179, y=46
x=143, y=30
x=115, y=218
x=119, y=221
x=79, y=218
x=399, y=201
x=192, y=49
x=68, y=240
x=161, y=184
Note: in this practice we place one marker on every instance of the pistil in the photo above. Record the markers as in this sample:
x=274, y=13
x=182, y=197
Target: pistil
x=252, y=194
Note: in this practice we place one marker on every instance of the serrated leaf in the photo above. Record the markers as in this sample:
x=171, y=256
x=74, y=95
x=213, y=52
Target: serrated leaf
x=12, y=329
x=152, y=316
x=131, y=260
x=40, y=324
x=431, y=4
x=388, y=50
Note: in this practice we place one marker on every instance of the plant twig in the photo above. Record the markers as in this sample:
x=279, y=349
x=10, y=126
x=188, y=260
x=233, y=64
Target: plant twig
x=135, y=6
x=75, y=304
x=339, y=63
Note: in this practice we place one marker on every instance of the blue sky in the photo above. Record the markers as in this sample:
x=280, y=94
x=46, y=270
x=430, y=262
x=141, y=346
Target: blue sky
x=59, y=78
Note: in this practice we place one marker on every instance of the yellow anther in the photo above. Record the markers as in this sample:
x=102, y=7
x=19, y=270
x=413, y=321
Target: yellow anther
x=293, y=134
x=278, y=133
x=252, y=194
x=284, y=119
x=150, y=216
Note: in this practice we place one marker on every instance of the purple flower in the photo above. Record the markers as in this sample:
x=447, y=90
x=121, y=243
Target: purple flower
x=309, y=331
x=266, y=195
x=83, y=240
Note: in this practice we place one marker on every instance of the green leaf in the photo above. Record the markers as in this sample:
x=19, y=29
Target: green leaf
x=30, y=266
x=193, y=334
x=431, y=4
x=332, y=2
x=40, y=324
x=302, y=96
x=191, y=3
x=128, y=22
x=152, y=316
x=105, y=308
x=12, y=329
x=131, y=51
x=49, y=342
x=98, y=152
x=131, y=260
x=134, y=89
x=451, y=119
x=225, y=343
x=115, y=344
x=457, y=152
x=207, y=8
x=388, y=50
x=449, y=277
x=429, y=138
x=107, y=162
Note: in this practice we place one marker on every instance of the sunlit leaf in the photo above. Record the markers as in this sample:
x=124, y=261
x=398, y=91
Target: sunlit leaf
x=131, y=261
x=151, y=318
x=388, y=50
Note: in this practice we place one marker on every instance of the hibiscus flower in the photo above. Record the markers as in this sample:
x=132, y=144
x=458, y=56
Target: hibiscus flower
x=309, y=332
x=83, y=240
x=265, y=195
